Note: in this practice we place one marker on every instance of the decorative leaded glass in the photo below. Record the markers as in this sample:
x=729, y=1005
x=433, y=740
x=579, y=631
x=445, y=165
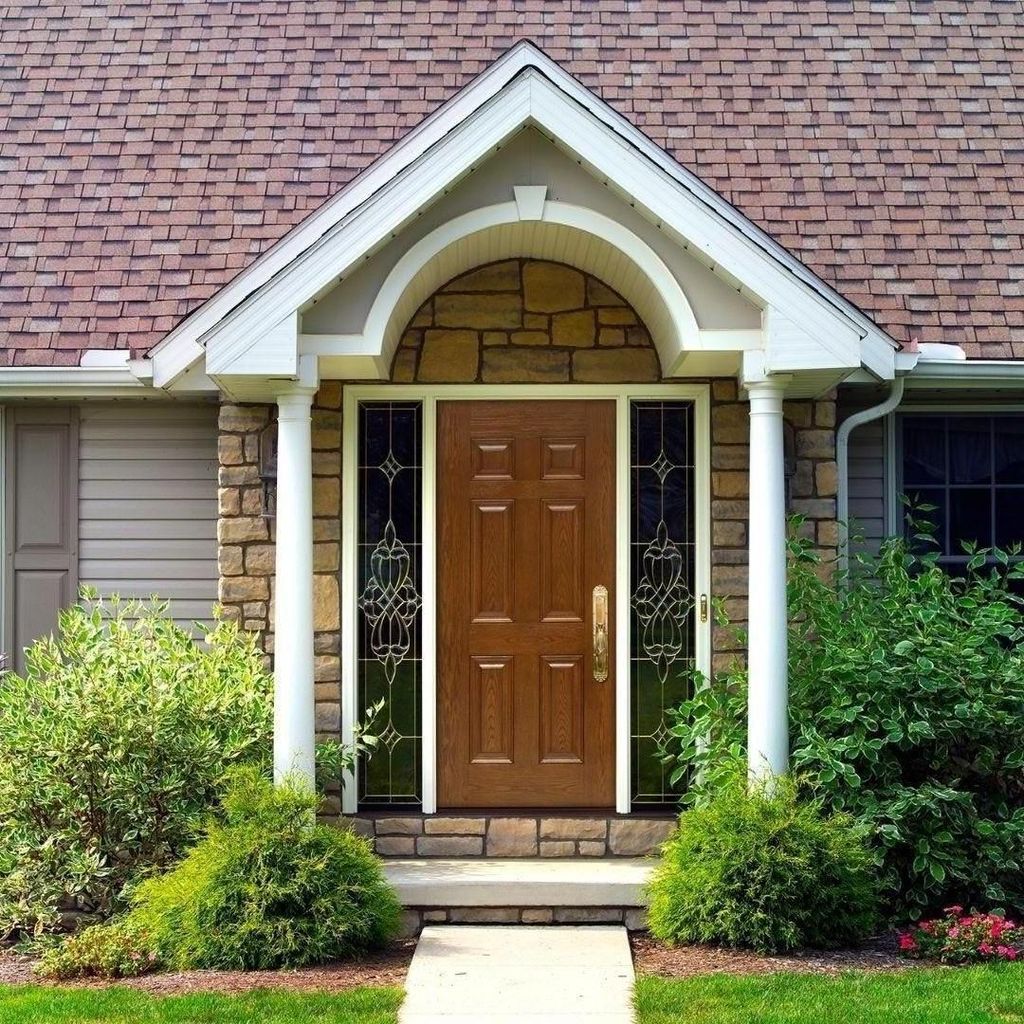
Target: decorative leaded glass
x=390, y=627
x=661, y=585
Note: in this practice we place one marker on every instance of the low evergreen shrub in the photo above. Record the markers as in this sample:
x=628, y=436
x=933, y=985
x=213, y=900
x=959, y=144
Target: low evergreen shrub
x=765, y=871
x=113, y=949
x=113, y=749
x=267, y=887
x=906, y=712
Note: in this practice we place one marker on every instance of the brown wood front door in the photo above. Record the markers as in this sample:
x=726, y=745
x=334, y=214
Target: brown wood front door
x=526, y=531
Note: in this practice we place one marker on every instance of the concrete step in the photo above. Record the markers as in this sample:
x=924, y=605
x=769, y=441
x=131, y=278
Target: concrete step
x=521, y=890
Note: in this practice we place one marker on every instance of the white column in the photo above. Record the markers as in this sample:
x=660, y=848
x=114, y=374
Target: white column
x=294, y=727
x=768, y=696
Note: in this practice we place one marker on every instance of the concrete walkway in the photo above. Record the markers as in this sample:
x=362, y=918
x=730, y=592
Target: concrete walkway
x=494, y=975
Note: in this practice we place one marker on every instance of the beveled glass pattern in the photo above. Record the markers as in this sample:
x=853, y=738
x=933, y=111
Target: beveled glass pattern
x=662, y=560
x=389, y=602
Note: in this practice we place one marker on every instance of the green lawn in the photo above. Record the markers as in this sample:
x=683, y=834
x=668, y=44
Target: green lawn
x=34, y=1003
x=975, y=995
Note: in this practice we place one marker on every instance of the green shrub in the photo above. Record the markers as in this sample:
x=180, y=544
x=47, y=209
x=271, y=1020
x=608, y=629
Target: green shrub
x=115, y=949
x=267, y=887
x=113, y=748
x=906, y=711
x=763, y=871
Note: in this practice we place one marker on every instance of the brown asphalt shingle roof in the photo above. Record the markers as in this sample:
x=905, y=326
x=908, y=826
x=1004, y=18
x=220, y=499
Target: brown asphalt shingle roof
x=150, y=151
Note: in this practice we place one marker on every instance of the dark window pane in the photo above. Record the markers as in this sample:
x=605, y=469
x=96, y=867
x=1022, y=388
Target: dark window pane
x=970, y=518
x=1009, y=518
x=389, y=600
x=1008, y=449
x=928, y=510
x=661, y=579
x=924, y=450
x=970, y=450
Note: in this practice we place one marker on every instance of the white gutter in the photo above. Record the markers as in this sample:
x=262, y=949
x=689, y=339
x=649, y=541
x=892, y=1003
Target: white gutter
x=875, y=412
x=89, y=381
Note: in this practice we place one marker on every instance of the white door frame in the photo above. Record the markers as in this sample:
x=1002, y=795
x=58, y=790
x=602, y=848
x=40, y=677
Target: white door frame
x=430, y=395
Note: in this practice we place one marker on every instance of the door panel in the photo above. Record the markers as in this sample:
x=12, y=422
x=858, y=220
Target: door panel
x=526, y=531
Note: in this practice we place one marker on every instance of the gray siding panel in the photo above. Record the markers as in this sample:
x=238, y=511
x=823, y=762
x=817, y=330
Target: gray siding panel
x=866, y=480
x=148, y=503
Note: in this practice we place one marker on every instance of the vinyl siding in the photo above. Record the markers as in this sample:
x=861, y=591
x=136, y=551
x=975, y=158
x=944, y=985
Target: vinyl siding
x=867, y=502
x=148, y=503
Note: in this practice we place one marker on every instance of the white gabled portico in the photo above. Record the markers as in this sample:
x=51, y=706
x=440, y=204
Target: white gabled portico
x=647, y=227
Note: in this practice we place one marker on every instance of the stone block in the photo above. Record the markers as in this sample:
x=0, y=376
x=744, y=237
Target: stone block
x=229, y=450
x=326, y=603
x=573, y=329
x=403, y=369
x=552, y=287
x=435, y=916
x=595, y=366
x=535, y=366
x=327, y=463
x=616, y=316
x=238, y=476
x=399, y=826
x=326, y=557
x=728, y=534
x=573, y=828
x=228, y=501
x=484, y=915
x=799, y=414
x=259, y=559
x=494, y=277
x=724, y=390
x=243, y=588
x=512, y=837
x=557, y=848
x=637, y=837
x=455, y=826
x=537, y=915
x=495, y=338
x=599, y=294
x=328, y=395
x=328, y=717
x=450, y=356
x=361, y=826
x=229, y=560
x=635, y=919
x=530, y=338
x=730, y=424
x=730, y=456
x=243, y=418
x=826, y=479
x=730, y=483
x=326, y=496
x=450, y=846
x=395, y=846
x=242, y=529
x=482, y=310
x=326, y=668
x=409, y=926
x=815, y=508
x=816, y=444
x=592, y=847
x=611, y=337
x=588, y=915
x=825, y=413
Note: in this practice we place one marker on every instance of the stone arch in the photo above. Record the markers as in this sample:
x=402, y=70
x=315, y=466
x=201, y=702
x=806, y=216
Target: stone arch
x=526, y=321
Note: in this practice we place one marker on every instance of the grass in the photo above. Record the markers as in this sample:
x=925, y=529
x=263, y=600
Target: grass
x=970, y=995
x=21, y=1004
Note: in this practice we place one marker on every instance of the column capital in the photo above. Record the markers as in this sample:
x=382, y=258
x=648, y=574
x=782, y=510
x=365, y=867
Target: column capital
x=295, y=400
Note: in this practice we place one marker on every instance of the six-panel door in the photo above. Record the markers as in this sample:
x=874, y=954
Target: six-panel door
x=526, y=532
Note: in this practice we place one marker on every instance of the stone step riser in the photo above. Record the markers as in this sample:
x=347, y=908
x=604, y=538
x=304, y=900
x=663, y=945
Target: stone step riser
x=513, y=836
x=415, y=919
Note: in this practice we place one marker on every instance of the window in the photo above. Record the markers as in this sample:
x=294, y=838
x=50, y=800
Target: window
x=970, y=467
x=389, y=598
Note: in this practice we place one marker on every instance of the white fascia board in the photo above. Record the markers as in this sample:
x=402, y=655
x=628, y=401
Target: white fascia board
x=71, y=382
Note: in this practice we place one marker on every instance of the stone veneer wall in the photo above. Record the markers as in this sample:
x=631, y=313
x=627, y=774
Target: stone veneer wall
x=246, y=539
x=525, y=321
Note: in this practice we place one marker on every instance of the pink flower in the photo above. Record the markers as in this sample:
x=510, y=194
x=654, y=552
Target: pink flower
x=907, y=942
x=1006, y=952
x=953, y=932
x=954, y=911
x=985, y=948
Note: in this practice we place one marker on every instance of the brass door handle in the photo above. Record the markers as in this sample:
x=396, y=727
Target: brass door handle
x=600, y=634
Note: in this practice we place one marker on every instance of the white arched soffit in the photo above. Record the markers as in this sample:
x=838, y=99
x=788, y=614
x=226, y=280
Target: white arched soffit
x=565, y=233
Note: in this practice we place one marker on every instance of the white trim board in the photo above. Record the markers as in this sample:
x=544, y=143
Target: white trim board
x=811, y=323
x=430, y=395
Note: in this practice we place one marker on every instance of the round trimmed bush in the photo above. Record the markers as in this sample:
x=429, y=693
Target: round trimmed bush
x=268, y=887
x=764, y=871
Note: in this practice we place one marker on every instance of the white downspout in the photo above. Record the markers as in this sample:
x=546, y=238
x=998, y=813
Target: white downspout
x=847, y=427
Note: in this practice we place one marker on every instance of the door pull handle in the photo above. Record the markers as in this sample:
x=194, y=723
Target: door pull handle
x=600, y=619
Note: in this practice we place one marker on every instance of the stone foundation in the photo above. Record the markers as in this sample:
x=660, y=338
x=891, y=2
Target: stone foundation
x=415, y=919
x=519, y=835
